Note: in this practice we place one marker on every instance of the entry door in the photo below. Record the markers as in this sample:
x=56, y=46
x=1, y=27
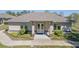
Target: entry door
x=40, y=28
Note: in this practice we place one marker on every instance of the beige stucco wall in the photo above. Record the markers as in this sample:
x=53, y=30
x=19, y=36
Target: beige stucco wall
x=16, y=26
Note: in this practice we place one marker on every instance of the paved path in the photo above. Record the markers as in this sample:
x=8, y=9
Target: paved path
x=5, y=40
x=41, y=37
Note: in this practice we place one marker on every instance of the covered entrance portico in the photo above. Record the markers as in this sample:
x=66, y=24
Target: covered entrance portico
x=42, y=27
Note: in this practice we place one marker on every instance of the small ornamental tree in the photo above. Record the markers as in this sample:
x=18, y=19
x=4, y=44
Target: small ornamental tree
x=22, y=31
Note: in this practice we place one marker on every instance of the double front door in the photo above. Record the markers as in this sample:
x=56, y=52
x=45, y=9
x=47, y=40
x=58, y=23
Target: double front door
x=40, y=28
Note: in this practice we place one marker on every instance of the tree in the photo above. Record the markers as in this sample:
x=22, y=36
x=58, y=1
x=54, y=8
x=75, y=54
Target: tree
x=32, y=11
x=25, y=11
x=28, y=11
x=47, y=11
x=72, y=18
x=11, y=13
x=54, y=13
x=61, y=13
x=18, y=13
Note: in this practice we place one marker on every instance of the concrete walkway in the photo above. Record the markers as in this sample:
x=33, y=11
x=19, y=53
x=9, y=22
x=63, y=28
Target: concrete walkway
x=41, y=37
x=5, y=40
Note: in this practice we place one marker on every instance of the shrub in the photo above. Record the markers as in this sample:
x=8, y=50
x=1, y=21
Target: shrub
x=68, y=35
x=22, y=31
x=6, y=29
x=72, y=36
x=58, y=33
x=14, y=34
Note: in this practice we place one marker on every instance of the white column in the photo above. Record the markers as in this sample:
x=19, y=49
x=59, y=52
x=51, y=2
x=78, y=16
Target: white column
x=33, y=29
x=51, y=29
x=61, y=27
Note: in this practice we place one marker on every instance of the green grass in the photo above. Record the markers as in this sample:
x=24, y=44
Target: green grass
x=16, y=36
x=3, y=46
x=19, y=46
x=3, y=27
x=52, y=46
x=74, y=36
x=35, y=46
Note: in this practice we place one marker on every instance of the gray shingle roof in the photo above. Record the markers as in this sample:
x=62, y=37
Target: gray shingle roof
x=39, y=16
x=6, y=16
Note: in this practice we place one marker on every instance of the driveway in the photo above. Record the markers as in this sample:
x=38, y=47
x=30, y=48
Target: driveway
x=38, y=40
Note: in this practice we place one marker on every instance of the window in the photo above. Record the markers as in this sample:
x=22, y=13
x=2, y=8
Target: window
x=41, y=26
x=57, y=27
x=38, y=26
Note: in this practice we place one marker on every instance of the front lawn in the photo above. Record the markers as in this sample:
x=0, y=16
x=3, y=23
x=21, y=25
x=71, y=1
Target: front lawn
x=16, y=36
x=19, y=46
x=3, y=27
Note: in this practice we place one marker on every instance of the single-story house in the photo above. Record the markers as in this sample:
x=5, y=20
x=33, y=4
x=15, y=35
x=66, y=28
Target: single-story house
x=39, y=22
x=5, y=18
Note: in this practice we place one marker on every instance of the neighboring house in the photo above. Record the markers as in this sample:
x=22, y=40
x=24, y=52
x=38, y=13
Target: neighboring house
x=5, y=18
x=39, y=22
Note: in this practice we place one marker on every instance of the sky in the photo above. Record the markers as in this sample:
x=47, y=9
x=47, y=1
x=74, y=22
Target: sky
x=65, y=12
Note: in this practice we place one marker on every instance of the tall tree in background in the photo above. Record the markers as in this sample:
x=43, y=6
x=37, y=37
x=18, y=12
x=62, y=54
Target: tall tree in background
x=74, y=20
x=32, y=11
x=25, y=11
x=55, y=13
x=46, y=11
x=18, y=14
x=11, y=13
x=73, y=17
